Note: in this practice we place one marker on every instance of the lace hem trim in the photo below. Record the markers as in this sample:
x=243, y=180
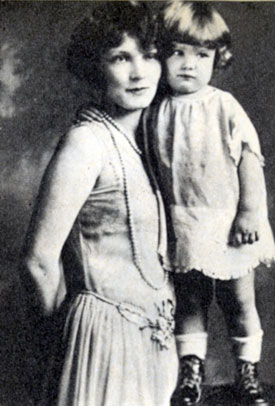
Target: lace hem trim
x=268, y=262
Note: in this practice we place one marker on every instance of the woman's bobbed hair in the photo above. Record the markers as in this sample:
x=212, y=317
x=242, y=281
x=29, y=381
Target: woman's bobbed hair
x=196, y=23
x=104, y=29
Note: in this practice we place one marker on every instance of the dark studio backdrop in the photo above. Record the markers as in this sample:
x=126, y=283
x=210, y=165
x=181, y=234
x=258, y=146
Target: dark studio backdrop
x=37, y=100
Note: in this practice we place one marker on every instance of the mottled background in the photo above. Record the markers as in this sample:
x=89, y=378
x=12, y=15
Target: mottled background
x=37, y=100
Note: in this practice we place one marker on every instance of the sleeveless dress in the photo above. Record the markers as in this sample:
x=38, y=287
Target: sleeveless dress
x=117, y=346
x=198, y=144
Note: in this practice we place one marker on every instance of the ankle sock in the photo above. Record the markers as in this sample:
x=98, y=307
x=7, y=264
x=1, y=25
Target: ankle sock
x=248, y=348
x=192, y=344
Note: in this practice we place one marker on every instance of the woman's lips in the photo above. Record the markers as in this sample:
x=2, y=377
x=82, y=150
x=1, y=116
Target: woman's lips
x=137, y=90
x=186, y=76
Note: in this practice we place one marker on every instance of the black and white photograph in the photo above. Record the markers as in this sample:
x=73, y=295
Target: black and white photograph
x=137, y=203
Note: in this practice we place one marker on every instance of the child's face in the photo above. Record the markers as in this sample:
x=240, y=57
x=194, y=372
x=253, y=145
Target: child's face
x=189, y=68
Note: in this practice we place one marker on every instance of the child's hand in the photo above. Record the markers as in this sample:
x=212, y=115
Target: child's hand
x=245, y=228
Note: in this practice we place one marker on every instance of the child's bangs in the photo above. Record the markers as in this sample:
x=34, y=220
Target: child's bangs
x=203, y=28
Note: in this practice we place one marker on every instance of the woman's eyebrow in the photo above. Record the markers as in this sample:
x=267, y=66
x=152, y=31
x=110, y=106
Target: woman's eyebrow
x=112, y=53
x=117, y=52
x=176, y=44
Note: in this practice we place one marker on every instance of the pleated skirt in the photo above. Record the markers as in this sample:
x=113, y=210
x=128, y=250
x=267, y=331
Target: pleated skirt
x=107, y=360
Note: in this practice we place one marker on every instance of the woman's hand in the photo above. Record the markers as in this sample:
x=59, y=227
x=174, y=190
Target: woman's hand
x=245, y=228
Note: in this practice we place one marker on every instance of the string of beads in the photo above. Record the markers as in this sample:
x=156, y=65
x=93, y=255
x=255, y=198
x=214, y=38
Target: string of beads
x=119, y=129
x=135, y=252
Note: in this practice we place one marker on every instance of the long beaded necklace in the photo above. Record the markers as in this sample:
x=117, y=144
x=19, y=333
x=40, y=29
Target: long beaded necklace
x=119, y=129
x=135, y=252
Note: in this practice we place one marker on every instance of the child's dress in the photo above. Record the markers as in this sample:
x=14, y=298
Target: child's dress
x=198, y=142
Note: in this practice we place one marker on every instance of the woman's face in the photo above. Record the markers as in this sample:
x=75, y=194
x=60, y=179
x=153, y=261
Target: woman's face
x=131, y=74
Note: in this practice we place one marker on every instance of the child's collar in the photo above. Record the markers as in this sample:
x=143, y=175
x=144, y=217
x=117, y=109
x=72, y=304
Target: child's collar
x=204, y=92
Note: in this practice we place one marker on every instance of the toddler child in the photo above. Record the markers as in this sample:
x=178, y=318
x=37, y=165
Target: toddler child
x=210, y=166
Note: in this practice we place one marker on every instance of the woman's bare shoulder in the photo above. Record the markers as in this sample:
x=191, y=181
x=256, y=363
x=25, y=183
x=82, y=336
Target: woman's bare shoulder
x=85, y=141
x=78, y=159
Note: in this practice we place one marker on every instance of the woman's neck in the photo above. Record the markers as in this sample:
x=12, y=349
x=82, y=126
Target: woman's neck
x=127, y=119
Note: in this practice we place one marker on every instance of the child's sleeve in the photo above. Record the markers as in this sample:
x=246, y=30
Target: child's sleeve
x=243, y=135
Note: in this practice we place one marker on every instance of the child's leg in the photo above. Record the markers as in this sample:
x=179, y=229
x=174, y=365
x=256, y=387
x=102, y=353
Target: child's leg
x=194, y=294
x=237, y=300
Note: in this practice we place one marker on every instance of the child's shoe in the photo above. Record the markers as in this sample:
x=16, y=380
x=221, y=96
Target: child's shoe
x=188, y=391
x=248, y=388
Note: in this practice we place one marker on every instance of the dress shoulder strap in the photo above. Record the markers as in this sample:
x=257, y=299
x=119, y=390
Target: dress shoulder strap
x=88, y=113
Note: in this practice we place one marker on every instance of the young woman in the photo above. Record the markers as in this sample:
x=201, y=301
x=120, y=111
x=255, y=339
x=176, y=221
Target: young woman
x=99, y=222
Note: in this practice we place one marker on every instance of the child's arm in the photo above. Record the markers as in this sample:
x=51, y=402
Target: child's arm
x=252, y=187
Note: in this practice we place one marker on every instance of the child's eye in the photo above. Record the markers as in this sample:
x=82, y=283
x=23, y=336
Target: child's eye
x=203, y=55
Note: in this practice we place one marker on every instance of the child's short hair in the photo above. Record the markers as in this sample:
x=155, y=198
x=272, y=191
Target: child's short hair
x=196, y=23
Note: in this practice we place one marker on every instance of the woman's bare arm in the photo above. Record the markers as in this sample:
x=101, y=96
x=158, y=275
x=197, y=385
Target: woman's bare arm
x=66, y=185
